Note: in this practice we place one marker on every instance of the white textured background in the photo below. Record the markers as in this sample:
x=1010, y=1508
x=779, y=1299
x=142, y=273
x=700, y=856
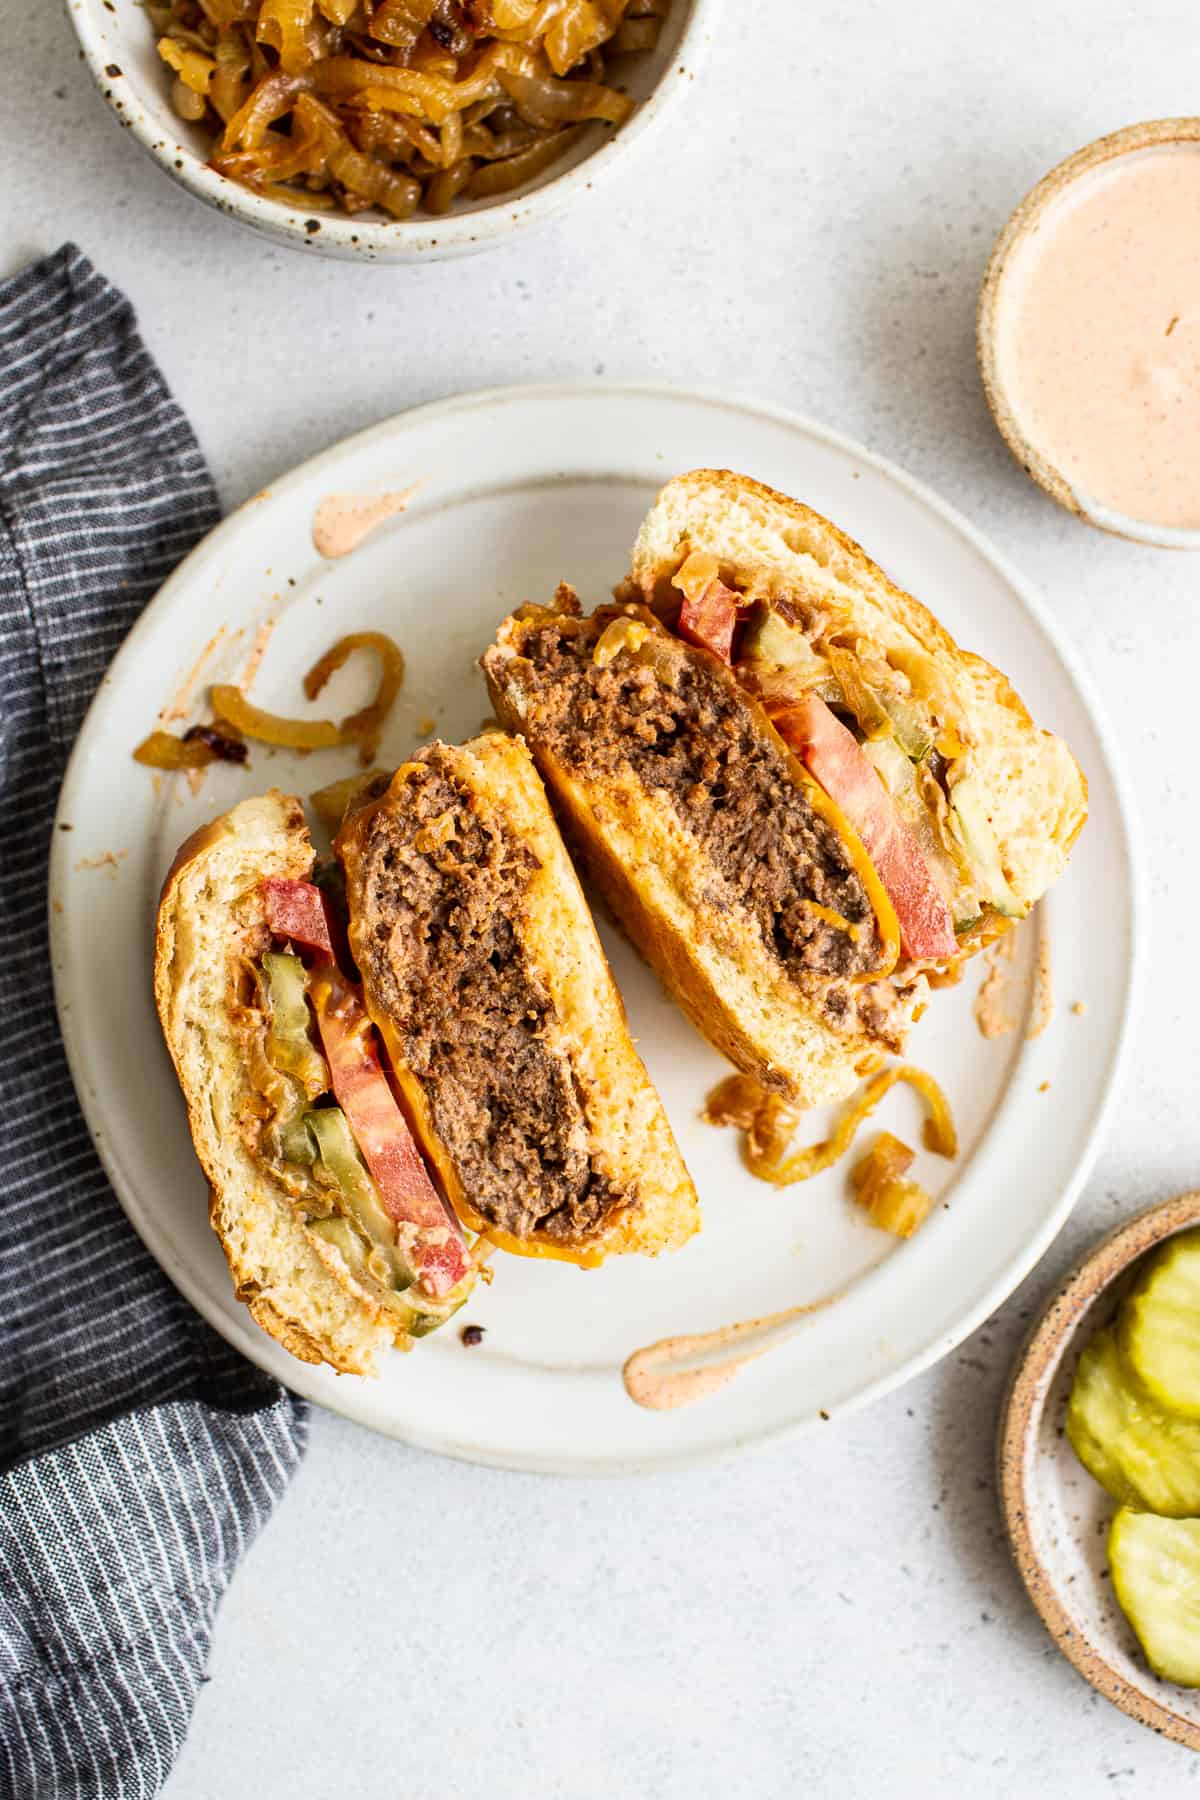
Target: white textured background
x=837, y=1617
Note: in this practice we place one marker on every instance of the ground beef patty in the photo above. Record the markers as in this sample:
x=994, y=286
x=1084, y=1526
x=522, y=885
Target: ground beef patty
x=687, y=733
x=442, y=885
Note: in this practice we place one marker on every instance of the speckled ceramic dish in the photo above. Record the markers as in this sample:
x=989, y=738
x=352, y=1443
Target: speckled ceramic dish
x=1026, y=220
x=118, y=44
x=1057, y=1516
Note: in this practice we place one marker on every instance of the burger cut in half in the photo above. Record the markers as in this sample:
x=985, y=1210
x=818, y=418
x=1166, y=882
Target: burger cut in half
x=795, y=791
x=372, y=1106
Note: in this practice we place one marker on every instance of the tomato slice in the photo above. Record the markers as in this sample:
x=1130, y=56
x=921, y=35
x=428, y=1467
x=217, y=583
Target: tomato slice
x=832, y=753
x=296, y=910
x=711, y=619
x=426, y=1229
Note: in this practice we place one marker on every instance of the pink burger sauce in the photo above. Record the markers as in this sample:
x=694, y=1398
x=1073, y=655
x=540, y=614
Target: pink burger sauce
x=1098, y=336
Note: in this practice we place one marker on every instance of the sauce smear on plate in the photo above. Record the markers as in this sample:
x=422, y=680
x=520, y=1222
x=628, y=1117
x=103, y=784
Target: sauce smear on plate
x=676, y=1371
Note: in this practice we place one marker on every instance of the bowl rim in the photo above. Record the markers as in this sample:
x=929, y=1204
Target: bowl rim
x=1024, y=1403
x=356, y=237
x=1146, y=135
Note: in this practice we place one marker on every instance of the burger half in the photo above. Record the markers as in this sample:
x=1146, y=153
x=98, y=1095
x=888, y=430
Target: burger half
x=797, y=794
x=380, y=1087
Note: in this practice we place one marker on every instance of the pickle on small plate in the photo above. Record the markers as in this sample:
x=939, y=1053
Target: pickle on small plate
x=1156, y=1577
x=1160, y=1326
x=1143, y=1455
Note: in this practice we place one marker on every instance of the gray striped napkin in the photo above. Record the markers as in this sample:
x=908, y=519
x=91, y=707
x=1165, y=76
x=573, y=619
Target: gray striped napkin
x=139, y=1455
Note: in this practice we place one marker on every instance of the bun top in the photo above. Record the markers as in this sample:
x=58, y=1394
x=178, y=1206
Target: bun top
x=777, y=548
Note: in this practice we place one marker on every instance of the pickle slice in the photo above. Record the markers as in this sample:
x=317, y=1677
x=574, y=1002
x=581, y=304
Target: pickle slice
x=1160, y=1326
x=289, y=1044
x=1156, y=1577
x=1142, y=1455
x=344, y=1166
x=1097, y=1413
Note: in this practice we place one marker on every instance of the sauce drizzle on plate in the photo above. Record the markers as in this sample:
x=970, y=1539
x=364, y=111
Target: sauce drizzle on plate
x=676, y=1371
x=344, y=521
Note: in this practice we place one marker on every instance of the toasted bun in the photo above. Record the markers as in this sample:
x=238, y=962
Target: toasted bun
x=629, y=1138
x=1035, y=791
x=658, y=881
x=210, y=919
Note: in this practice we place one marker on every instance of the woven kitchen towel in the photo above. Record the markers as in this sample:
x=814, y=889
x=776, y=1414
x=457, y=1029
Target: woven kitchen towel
x=138, y=1454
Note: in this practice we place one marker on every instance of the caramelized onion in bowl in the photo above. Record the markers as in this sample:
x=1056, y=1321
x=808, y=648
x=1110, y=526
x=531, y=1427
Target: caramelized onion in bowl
x=395, y=105
x=769, y=1123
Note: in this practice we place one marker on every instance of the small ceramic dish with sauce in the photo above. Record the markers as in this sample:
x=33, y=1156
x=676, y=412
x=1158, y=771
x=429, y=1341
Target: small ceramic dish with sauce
x=1057, y=1516
x=1089, y=333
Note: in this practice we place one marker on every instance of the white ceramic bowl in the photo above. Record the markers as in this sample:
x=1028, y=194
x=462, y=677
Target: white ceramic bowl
x=119, y=46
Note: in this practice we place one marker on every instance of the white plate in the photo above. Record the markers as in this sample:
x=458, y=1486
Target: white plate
x=520, y=488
